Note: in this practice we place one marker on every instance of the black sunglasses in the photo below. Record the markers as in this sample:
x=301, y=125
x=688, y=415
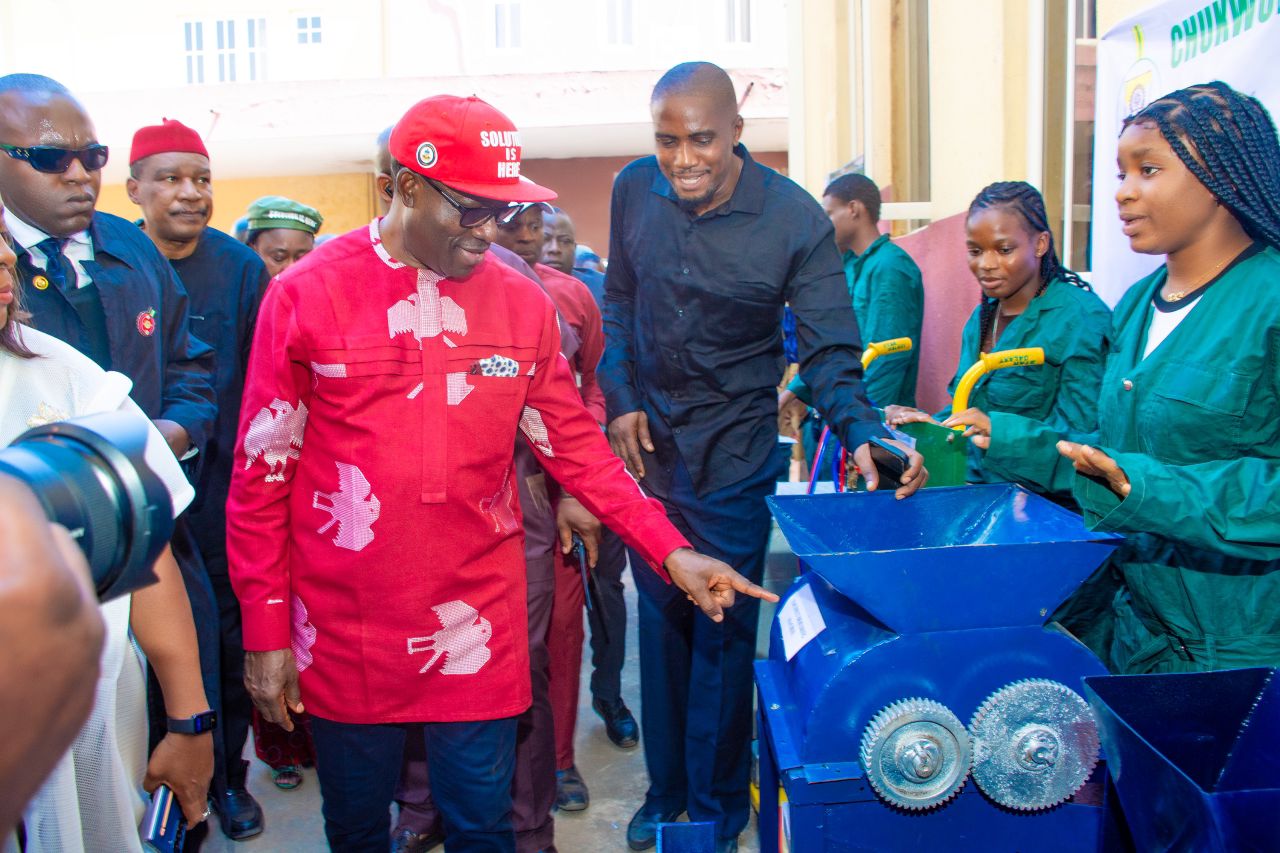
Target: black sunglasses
x=55, y=161
x=474, y=217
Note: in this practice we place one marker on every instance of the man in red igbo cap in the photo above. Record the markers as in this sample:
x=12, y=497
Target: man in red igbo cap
x=170, y=179
x=373, y=534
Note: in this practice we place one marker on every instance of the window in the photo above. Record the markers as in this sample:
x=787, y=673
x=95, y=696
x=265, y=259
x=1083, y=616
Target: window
x=506, y=24
x=237, y=49
x=226, y=51
x=256, y=47
x=738, y=21
x=309, y=30
x=194, y=31
x=620, y=22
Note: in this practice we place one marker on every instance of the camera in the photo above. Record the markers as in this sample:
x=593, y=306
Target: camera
x=90, y=476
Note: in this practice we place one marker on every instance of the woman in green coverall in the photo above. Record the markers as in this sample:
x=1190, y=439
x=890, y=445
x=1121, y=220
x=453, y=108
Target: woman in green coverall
x=1187, y=458
x=1028, y=300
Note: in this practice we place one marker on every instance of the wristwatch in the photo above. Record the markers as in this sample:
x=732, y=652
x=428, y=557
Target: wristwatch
x=205, y=721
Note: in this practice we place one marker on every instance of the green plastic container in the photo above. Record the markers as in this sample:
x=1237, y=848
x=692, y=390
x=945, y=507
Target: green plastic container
x=945, y=452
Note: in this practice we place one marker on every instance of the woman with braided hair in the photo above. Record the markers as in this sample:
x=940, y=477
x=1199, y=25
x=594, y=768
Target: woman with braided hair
x=1186, y=461
x=1029, y=299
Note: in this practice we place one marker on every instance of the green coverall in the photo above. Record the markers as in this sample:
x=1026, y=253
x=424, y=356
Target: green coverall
x=1196, y=428
x=888, y=302
x=1071, y=325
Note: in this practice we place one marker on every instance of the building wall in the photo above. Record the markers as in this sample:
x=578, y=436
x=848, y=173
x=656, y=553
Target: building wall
x=345, y=201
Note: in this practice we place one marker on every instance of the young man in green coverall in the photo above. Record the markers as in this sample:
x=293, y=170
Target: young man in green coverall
x=888, y=299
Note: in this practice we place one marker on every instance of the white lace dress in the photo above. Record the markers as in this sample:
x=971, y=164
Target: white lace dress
x=93, y=799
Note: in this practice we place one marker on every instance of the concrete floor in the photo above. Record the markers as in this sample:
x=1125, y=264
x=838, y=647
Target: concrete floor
x=616, y=777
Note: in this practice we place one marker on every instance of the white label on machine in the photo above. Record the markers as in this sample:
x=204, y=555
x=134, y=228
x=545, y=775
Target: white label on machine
x=800, y=621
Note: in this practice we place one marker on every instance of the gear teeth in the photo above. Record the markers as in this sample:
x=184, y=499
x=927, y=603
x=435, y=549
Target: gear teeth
x=1017, y=714
x=948, y=753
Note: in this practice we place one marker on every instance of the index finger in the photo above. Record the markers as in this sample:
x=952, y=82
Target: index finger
x=746, y=587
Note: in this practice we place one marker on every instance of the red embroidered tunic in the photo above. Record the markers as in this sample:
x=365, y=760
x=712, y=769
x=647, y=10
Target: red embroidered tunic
x=372, y=524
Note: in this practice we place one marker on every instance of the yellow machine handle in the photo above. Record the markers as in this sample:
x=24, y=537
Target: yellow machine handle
x=987, y=362
x=874, y=351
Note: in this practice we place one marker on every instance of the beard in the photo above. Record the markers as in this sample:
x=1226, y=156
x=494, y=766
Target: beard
x=691, y=204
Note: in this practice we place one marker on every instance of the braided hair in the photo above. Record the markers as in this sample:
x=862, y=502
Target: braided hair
x=1025, y=200
x=1228, y=141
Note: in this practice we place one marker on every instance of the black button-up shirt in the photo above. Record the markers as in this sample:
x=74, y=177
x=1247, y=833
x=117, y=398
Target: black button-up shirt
x=693, y=318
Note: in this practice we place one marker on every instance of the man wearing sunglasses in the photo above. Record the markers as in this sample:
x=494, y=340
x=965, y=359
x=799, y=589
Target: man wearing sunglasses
x=373, y=533
x=95, y=281
x=535, y=785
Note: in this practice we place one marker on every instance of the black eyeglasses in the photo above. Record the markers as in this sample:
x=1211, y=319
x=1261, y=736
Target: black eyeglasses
x=474, y=217
x=55, y=161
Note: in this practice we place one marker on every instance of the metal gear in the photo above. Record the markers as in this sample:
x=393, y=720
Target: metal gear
x=1035, y=742
x=916, y=753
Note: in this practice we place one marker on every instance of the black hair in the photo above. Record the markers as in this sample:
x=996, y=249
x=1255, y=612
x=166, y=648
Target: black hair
x=1228, y=141
x=1024, y=200
x=856, y=187
x=251, y=236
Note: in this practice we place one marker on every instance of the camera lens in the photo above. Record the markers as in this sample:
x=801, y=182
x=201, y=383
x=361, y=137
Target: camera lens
x=90, y=476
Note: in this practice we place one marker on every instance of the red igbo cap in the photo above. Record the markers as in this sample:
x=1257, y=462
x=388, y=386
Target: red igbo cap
x=466, y=145
x=169, y=135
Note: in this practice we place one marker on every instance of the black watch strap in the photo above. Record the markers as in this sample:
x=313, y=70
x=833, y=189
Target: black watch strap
x=205, y=721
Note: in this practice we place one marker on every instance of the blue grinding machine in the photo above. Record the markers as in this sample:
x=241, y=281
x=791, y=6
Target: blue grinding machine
x=913, y=697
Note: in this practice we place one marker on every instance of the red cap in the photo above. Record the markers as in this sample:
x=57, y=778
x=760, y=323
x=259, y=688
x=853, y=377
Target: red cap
x=466, y=145
x=170, y=135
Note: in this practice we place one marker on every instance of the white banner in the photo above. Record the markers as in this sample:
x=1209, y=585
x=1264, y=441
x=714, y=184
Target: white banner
x=1172, y=45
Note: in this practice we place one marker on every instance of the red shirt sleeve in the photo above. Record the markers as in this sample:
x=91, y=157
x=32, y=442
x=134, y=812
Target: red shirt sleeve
x=272, y=427
x=574, y=451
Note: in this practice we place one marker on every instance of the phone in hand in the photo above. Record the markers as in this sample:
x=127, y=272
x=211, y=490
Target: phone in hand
x=891, y=462
x=163, y=828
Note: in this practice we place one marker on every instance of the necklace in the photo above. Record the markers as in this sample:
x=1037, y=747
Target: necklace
x=1179, y=295
x=995, y=324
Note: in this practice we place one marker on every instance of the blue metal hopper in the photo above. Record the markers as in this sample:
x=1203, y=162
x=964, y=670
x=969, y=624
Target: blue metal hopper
x=946, y=559
x=1193, y=756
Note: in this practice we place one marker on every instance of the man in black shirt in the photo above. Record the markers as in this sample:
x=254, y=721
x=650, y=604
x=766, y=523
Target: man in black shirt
x=170, y=179
x=706, y=246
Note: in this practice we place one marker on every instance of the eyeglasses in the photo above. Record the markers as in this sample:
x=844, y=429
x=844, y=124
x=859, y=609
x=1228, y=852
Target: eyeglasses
x=474, y=217
x=55, y=161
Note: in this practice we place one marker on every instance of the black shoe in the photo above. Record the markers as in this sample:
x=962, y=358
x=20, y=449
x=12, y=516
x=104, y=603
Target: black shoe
x=726, y=845
x=571, y=791
x=238, y=813
x=642, y=832
x=619, y=725
x=408, y=841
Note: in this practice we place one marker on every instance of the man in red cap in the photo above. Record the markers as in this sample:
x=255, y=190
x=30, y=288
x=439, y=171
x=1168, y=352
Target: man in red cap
x=170, y=179
x=373, y=534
